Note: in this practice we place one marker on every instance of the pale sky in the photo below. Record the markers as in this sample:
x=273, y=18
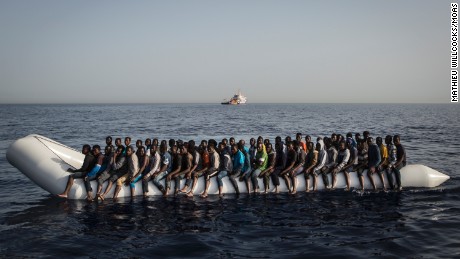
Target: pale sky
x=204, y=51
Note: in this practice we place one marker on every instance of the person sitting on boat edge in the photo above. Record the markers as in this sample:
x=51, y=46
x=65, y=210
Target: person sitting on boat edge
x=176, y=165
x=261, y=162
x=214, y=166
x=93, y=174
x=290, y=162
x=331, y=160
x=298, y=166
x=154, y=166
x=119, y=167
x=342, y=161
x=280, y=163
x=225, y=168
x=265, y=174
x=352, y=162
x=187, y=161
x=247, y=169
x=373, y=160
x=202, y=168
x=400, y=162
x=133, y=170
x=195, y=162
x=362, y=162
x=143, y=162
x=316, y=159
x=166, y=167
x=88, y=164
x=237, y=166
x=384, y=160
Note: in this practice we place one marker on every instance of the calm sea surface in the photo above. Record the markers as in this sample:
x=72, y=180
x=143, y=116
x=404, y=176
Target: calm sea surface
x=418, y=222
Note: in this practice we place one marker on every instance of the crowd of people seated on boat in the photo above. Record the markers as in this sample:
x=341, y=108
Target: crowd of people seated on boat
x=163, y=162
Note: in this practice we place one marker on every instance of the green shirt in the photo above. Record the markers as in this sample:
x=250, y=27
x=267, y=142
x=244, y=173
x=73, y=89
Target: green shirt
x=261, y=160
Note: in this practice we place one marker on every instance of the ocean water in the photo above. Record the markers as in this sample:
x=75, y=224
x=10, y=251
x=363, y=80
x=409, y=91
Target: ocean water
x=415, y=223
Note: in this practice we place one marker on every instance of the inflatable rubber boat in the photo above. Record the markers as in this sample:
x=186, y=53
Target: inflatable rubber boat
x=45, y=162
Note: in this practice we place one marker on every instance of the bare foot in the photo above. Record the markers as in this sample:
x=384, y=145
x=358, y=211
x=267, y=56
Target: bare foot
x=189, y=194
x=204, y=195
x=62, y=195
x=293, y=192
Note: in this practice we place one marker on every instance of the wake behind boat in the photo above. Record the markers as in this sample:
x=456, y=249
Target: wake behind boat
x=45, y=162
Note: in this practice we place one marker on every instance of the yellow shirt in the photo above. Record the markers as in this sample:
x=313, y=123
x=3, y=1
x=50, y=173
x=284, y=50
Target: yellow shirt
x=384, y=154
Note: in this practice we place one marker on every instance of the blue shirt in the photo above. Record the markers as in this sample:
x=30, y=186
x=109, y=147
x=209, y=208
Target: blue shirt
x=238, y=160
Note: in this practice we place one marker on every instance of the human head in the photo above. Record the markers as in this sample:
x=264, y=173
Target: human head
x=118, y=142
x=138, y=143
x=379, y=141
x=148, y=142
x=172, y=142
x=310, y=146
x=153, y=149
x=366, y=134
x=290, y=145
x=396, y=140
x=357, y=137
x=85, y=149
x=298, y=136
x=141, y=151
x=277, y=140
x=252, y=142
x=183, y=150
x=129, y=150
x=318, y=146
x=211, y=147
x=221, y=147
x=269, y=147
x=204, y=144
x=225, y=141
x=120, y=149
x=108, y=140
x=370, y=140
x=212, y=142
x=388, y=139
x=191, y=145
x=234, y=149
x=307, y=138
x=108, y=150
x=287, y=139
x=333, y=137
x=96, y=150
x=155, y=142
x=127, y=141
x=260, y=147
x=164, y=143
x=232, y=141
x=163, y=149
x=266, y=141
x=174, y=149
x=349, y=135
x=342, y=145
x=349, y=144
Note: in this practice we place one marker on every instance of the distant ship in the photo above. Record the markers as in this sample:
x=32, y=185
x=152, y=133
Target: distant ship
x=238, y=98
